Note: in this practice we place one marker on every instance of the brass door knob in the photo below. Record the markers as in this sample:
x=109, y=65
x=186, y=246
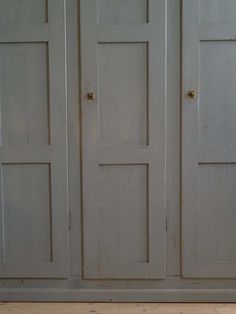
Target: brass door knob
x=191, y=94
x=91, y=96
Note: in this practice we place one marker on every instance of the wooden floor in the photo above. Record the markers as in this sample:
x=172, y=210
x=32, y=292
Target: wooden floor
x=103, y=308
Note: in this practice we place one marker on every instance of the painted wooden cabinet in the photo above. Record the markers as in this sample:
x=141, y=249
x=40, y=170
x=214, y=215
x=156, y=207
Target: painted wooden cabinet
x=117, y=144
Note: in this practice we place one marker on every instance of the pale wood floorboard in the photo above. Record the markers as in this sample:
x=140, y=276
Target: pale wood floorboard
x=116, y=308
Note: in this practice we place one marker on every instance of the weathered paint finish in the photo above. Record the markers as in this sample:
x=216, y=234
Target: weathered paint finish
x=33, y=153
x=76, y=288
x=208, y=159
x=124, y=216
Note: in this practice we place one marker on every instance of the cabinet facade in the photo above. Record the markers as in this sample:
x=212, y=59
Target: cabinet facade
x=117, y=150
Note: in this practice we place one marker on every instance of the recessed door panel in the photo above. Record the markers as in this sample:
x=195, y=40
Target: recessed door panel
x=27, y=212
x=123, y=203
x=216, y=233
x=24, y=93
x=217, y=110
x=122, y=93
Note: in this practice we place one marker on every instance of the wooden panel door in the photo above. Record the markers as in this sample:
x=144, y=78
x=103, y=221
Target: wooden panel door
x=123, y=127
x=209, y=141
x=33, y=152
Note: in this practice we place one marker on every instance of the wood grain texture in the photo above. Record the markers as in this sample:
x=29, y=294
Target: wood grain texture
x=125, y=65
x=33, y=152
x=117, y=308
x=75, y=288
x=24, y=93
x=115, y=12
x=23, y=11
x=208, y=144
x=27, y=205
x=215, y=11
x=123, y=99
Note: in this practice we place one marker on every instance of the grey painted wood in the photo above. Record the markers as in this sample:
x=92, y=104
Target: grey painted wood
x=216, y=11
x=173, y=137
x=24, y=124
x=27, y=209
x=172, y=142
x=208, y=164
x=23, y=12
x=75, y=288
x=123, y=134
x=117, y=96
x=73, y=116
x=122, y=12
x=33, y=152
x=23, y=33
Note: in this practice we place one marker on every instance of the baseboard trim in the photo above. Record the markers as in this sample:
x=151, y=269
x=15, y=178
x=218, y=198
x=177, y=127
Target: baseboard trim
x=118, y=295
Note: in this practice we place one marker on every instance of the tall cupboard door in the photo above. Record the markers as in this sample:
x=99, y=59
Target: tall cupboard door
x=209, y=139
x=33, y=151
x=123, y=138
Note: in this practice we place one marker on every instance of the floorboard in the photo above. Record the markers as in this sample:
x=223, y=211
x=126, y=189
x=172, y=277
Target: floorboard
x=116, y=308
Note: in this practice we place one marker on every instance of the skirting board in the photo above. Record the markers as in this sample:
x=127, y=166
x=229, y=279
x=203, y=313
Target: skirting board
x=118, y=295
